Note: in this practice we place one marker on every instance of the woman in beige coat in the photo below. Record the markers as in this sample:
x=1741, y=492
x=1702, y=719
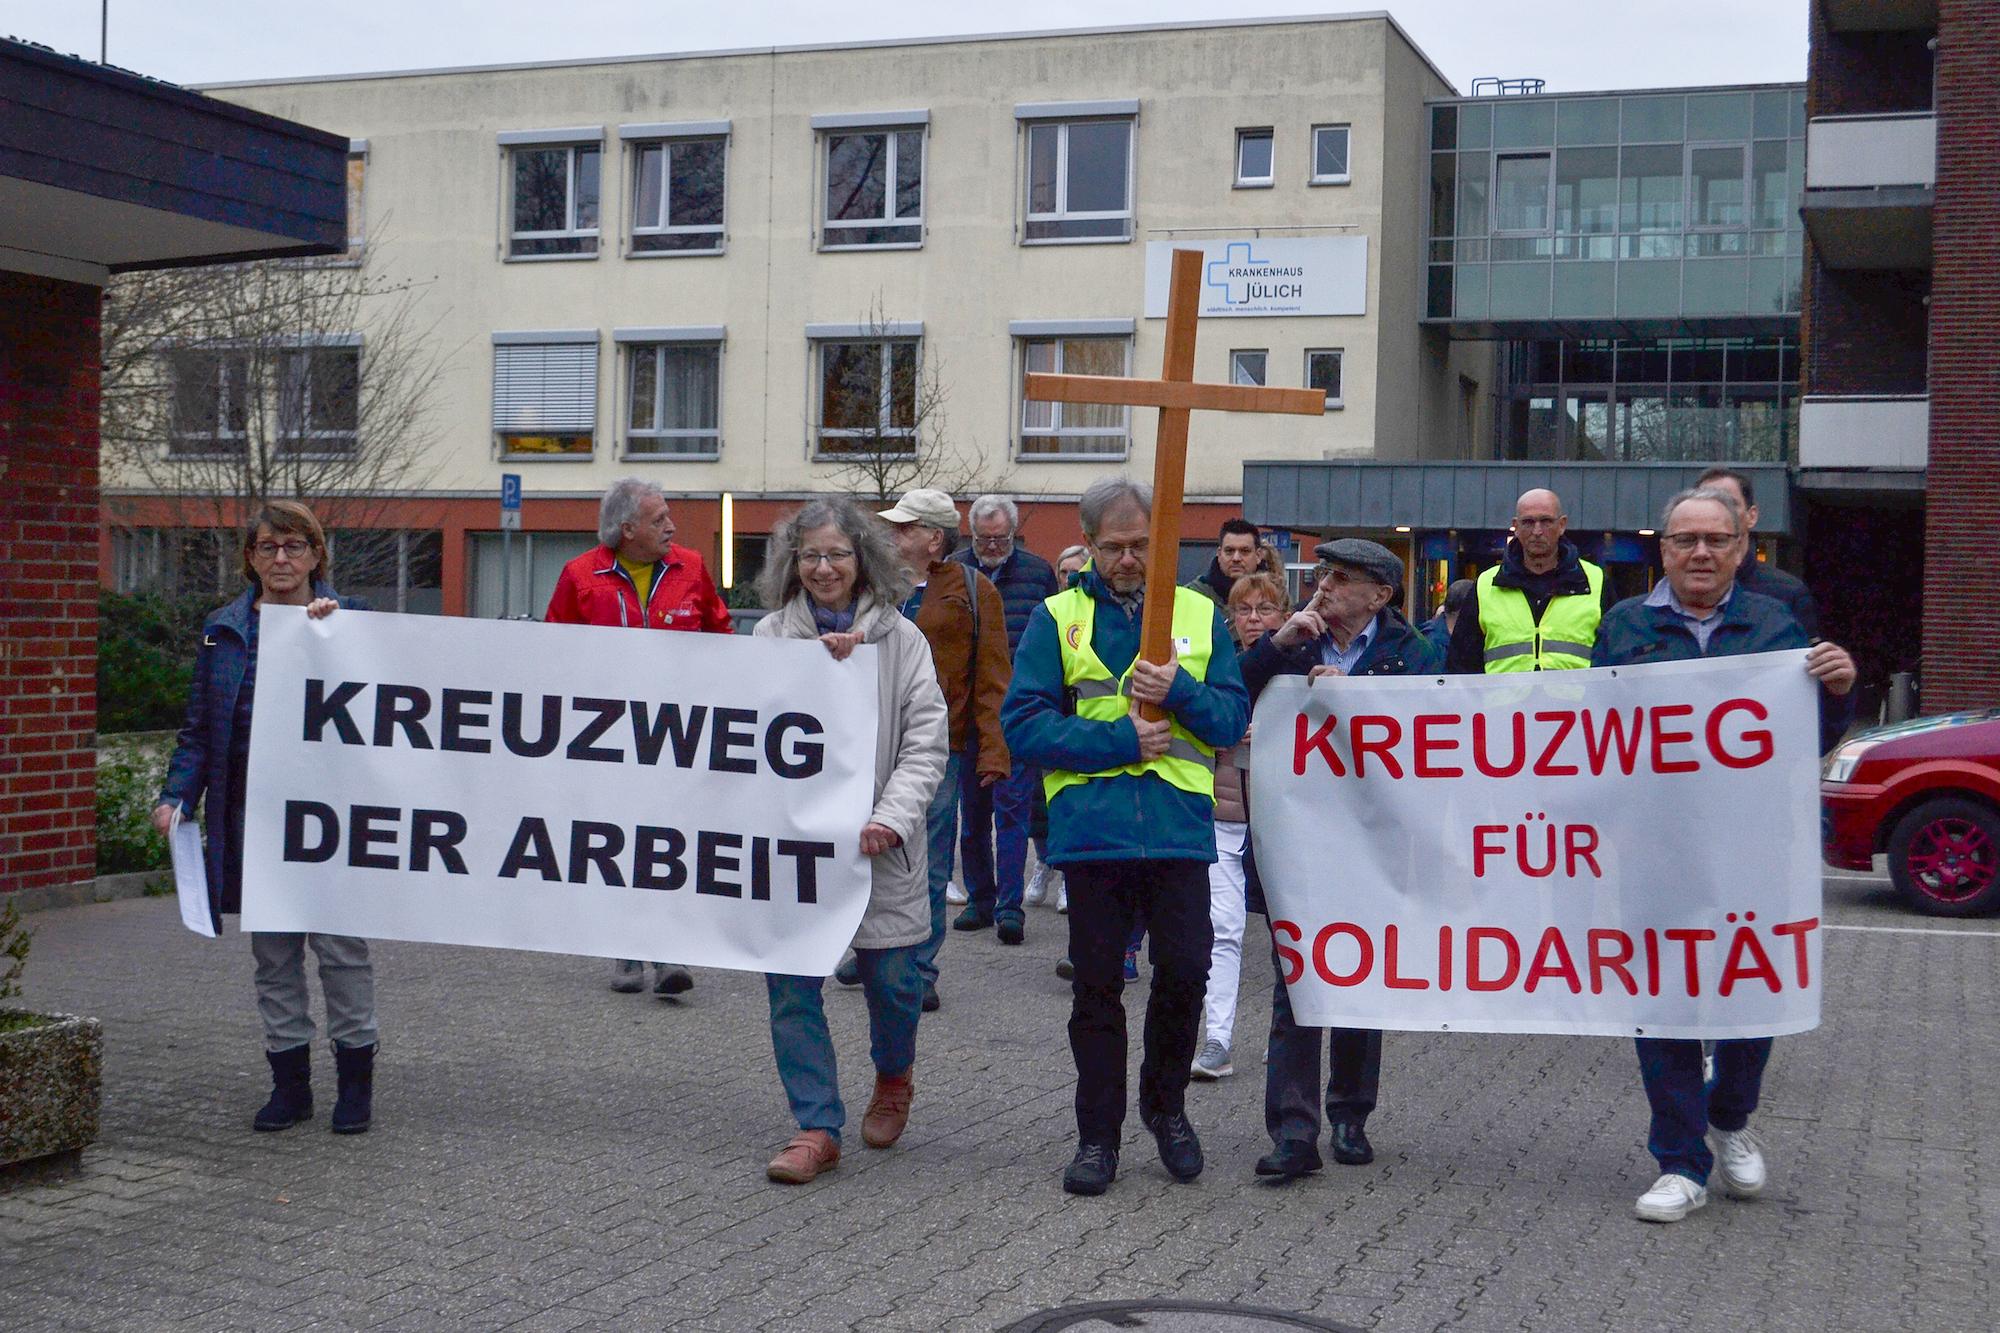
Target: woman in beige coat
x=832, y=574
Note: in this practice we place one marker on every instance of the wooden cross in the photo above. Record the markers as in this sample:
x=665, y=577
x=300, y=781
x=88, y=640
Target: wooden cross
x=1175, y=393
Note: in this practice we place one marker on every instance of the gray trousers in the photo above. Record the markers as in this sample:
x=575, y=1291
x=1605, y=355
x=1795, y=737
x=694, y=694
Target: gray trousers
x=345, y=976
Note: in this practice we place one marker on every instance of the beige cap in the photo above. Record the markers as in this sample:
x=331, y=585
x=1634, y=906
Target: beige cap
x=931, y=507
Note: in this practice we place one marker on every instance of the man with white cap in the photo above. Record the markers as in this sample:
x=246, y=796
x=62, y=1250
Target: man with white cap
x=961, y=614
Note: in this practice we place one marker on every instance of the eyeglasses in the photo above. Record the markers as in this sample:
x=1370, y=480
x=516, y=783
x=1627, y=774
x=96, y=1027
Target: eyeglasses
x=994, y=543
x=808, y=559
x=1111, y=553
x=1685, y=542
x=1260, y=609
x=290, y=550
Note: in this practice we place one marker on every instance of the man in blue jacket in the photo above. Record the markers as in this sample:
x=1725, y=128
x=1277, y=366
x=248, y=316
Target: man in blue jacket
x=1131, y=817
x=1698, y=610
x=993, y=821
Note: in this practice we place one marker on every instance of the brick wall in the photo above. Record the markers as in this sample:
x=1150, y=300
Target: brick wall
x=1866, y=73
x=48, y=581
x=1868, y=332
x=1961, y=572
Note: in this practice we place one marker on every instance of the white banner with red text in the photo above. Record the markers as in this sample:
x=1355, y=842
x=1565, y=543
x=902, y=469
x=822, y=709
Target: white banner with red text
x=683, y=798
x=1619, y=851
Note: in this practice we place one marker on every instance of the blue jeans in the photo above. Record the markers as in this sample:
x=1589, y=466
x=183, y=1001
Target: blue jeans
x=942, y=827
x=1684, y=1109
x=804, y=1047
x=993, y=838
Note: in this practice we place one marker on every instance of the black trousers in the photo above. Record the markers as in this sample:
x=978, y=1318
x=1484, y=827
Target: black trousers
x=1105, y=900
x=1291, y=1079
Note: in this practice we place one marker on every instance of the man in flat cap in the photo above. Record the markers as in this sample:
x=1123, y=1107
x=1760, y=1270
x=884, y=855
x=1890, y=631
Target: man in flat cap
x=1351, y=627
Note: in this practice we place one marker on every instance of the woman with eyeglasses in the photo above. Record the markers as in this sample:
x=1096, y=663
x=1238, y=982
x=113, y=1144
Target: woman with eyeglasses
x=1256, y=605
x=833, y=574
x=285, y=562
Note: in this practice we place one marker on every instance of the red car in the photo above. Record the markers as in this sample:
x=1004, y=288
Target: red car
x=1927, y=793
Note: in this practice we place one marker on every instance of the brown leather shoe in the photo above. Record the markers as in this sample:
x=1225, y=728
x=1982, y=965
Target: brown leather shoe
x=810, y=1152
x=888, y=1109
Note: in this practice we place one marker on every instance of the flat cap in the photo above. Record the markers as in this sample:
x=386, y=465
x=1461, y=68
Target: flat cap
x=1378, y=562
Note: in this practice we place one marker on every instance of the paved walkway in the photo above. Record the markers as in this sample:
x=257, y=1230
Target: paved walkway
x=550, y=1155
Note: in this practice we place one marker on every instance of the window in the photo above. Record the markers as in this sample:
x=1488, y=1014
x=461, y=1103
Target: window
x=392, y=570
x=1521, y=192
x=545, y=393
x=1323, y=373
x=357, y=213
x=1079, y=181
x=553, y=200
x=677, y=193
x=1247, y=367
x=212, y=392
x=1716, y=195
x=1074, y=428
x=538, y=559
x=874, y=188
x=183, y=562
x=868, y=397
x=320, y=402
x=673, y=406
x=1329, y=162
x=1253, y=158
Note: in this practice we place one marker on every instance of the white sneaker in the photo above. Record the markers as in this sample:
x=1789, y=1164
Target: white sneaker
x=1212, y=1063
x=1062, y=893
x=1672, y=1197
x=954, y=895
x=1037, y=887
x=1739, y=1162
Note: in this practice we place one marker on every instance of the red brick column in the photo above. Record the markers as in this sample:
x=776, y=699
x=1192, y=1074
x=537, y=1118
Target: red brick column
x=48, y=581
x=1962, y=524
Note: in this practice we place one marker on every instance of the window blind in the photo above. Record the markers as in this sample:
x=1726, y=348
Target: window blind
x=545, y=388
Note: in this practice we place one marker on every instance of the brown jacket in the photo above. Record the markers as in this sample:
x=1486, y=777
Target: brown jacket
x=945, y=617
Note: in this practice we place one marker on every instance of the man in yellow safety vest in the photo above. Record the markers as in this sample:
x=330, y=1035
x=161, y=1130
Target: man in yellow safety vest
x=1537, y=610
x=1131, y=817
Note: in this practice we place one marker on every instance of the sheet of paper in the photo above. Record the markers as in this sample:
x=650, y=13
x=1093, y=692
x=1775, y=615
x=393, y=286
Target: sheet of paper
x=191, y=877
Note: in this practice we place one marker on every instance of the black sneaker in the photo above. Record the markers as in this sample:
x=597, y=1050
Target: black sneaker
x=1092, y=1170
x=1180, y=1150
x=931, y=1001
x=849, y=971
x=971, y=919
x=1011, y=930
x=671, y=979
x=1065, y=968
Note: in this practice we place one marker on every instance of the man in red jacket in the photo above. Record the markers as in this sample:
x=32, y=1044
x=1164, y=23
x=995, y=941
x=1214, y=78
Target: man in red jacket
x=639, y=579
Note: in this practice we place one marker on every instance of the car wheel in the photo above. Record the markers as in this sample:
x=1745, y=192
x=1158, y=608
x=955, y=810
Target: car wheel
x=1944, y=857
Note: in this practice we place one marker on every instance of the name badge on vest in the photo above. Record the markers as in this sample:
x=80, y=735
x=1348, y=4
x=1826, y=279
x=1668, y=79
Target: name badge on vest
x=1182, y=647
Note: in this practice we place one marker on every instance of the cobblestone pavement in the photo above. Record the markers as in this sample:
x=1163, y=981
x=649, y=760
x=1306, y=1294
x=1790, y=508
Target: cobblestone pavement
x=550, y=1155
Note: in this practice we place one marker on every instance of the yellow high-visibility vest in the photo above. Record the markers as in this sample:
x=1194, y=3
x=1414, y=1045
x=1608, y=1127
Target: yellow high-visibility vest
x=1561, y=642
x=1188, y=764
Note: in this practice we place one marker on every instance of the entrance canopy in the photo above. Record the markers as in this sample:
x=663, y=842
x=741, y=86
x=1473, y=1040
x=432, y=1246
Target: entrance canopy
x=1334, y=494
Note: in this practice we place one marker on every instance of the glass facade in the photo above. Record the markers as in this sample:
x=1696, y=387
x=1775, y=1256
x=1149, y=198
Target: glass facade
x=1661, y=207
x=1680, y=400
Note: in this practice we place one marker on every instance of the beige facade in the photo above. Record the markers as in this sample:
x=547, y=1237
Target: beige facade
x=437, y=203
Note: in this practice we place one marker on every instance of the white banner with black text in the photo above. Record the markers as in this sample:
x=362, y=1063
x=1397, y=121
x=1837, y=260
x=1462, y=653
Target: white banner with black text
x=687, y=798
x=1619, y=851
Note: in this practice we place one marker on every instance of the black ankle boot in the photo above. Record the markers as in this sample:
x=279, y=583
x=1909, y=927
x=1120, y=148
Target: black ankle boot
x=291, y=1089
x=353, y=1104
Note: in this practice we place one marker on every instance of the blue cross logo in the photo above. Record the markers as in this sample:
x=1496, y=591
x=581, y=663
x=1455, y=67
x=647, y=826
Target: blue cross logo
x=1234, y=290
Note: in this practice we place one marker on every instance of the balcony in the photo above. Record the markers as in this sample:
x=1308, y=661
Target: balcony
x=1869, y=186
x=1875, y=431
x=1881, y=15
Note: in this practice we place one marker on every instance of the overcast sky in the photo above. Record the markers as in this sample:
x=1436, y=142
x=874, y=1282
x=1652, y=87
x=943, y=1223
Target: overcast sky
x=1574, y=44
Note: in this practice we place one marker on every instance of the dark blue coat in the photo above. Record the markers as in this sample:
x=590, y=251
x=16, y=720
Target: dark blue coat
x=201, y=761
x=1129, y=817
x=1398, y=649
x=1633, y=634
x=1024, y=579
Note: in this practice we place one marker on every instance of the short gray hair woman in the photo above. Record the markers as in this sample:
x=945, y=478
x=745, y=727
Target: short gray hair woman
x=832, y=574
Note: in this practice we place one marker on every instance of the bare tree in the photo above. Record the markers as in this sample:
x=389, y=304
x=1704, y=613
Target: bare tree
x=229, y=386
x=882, y=421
